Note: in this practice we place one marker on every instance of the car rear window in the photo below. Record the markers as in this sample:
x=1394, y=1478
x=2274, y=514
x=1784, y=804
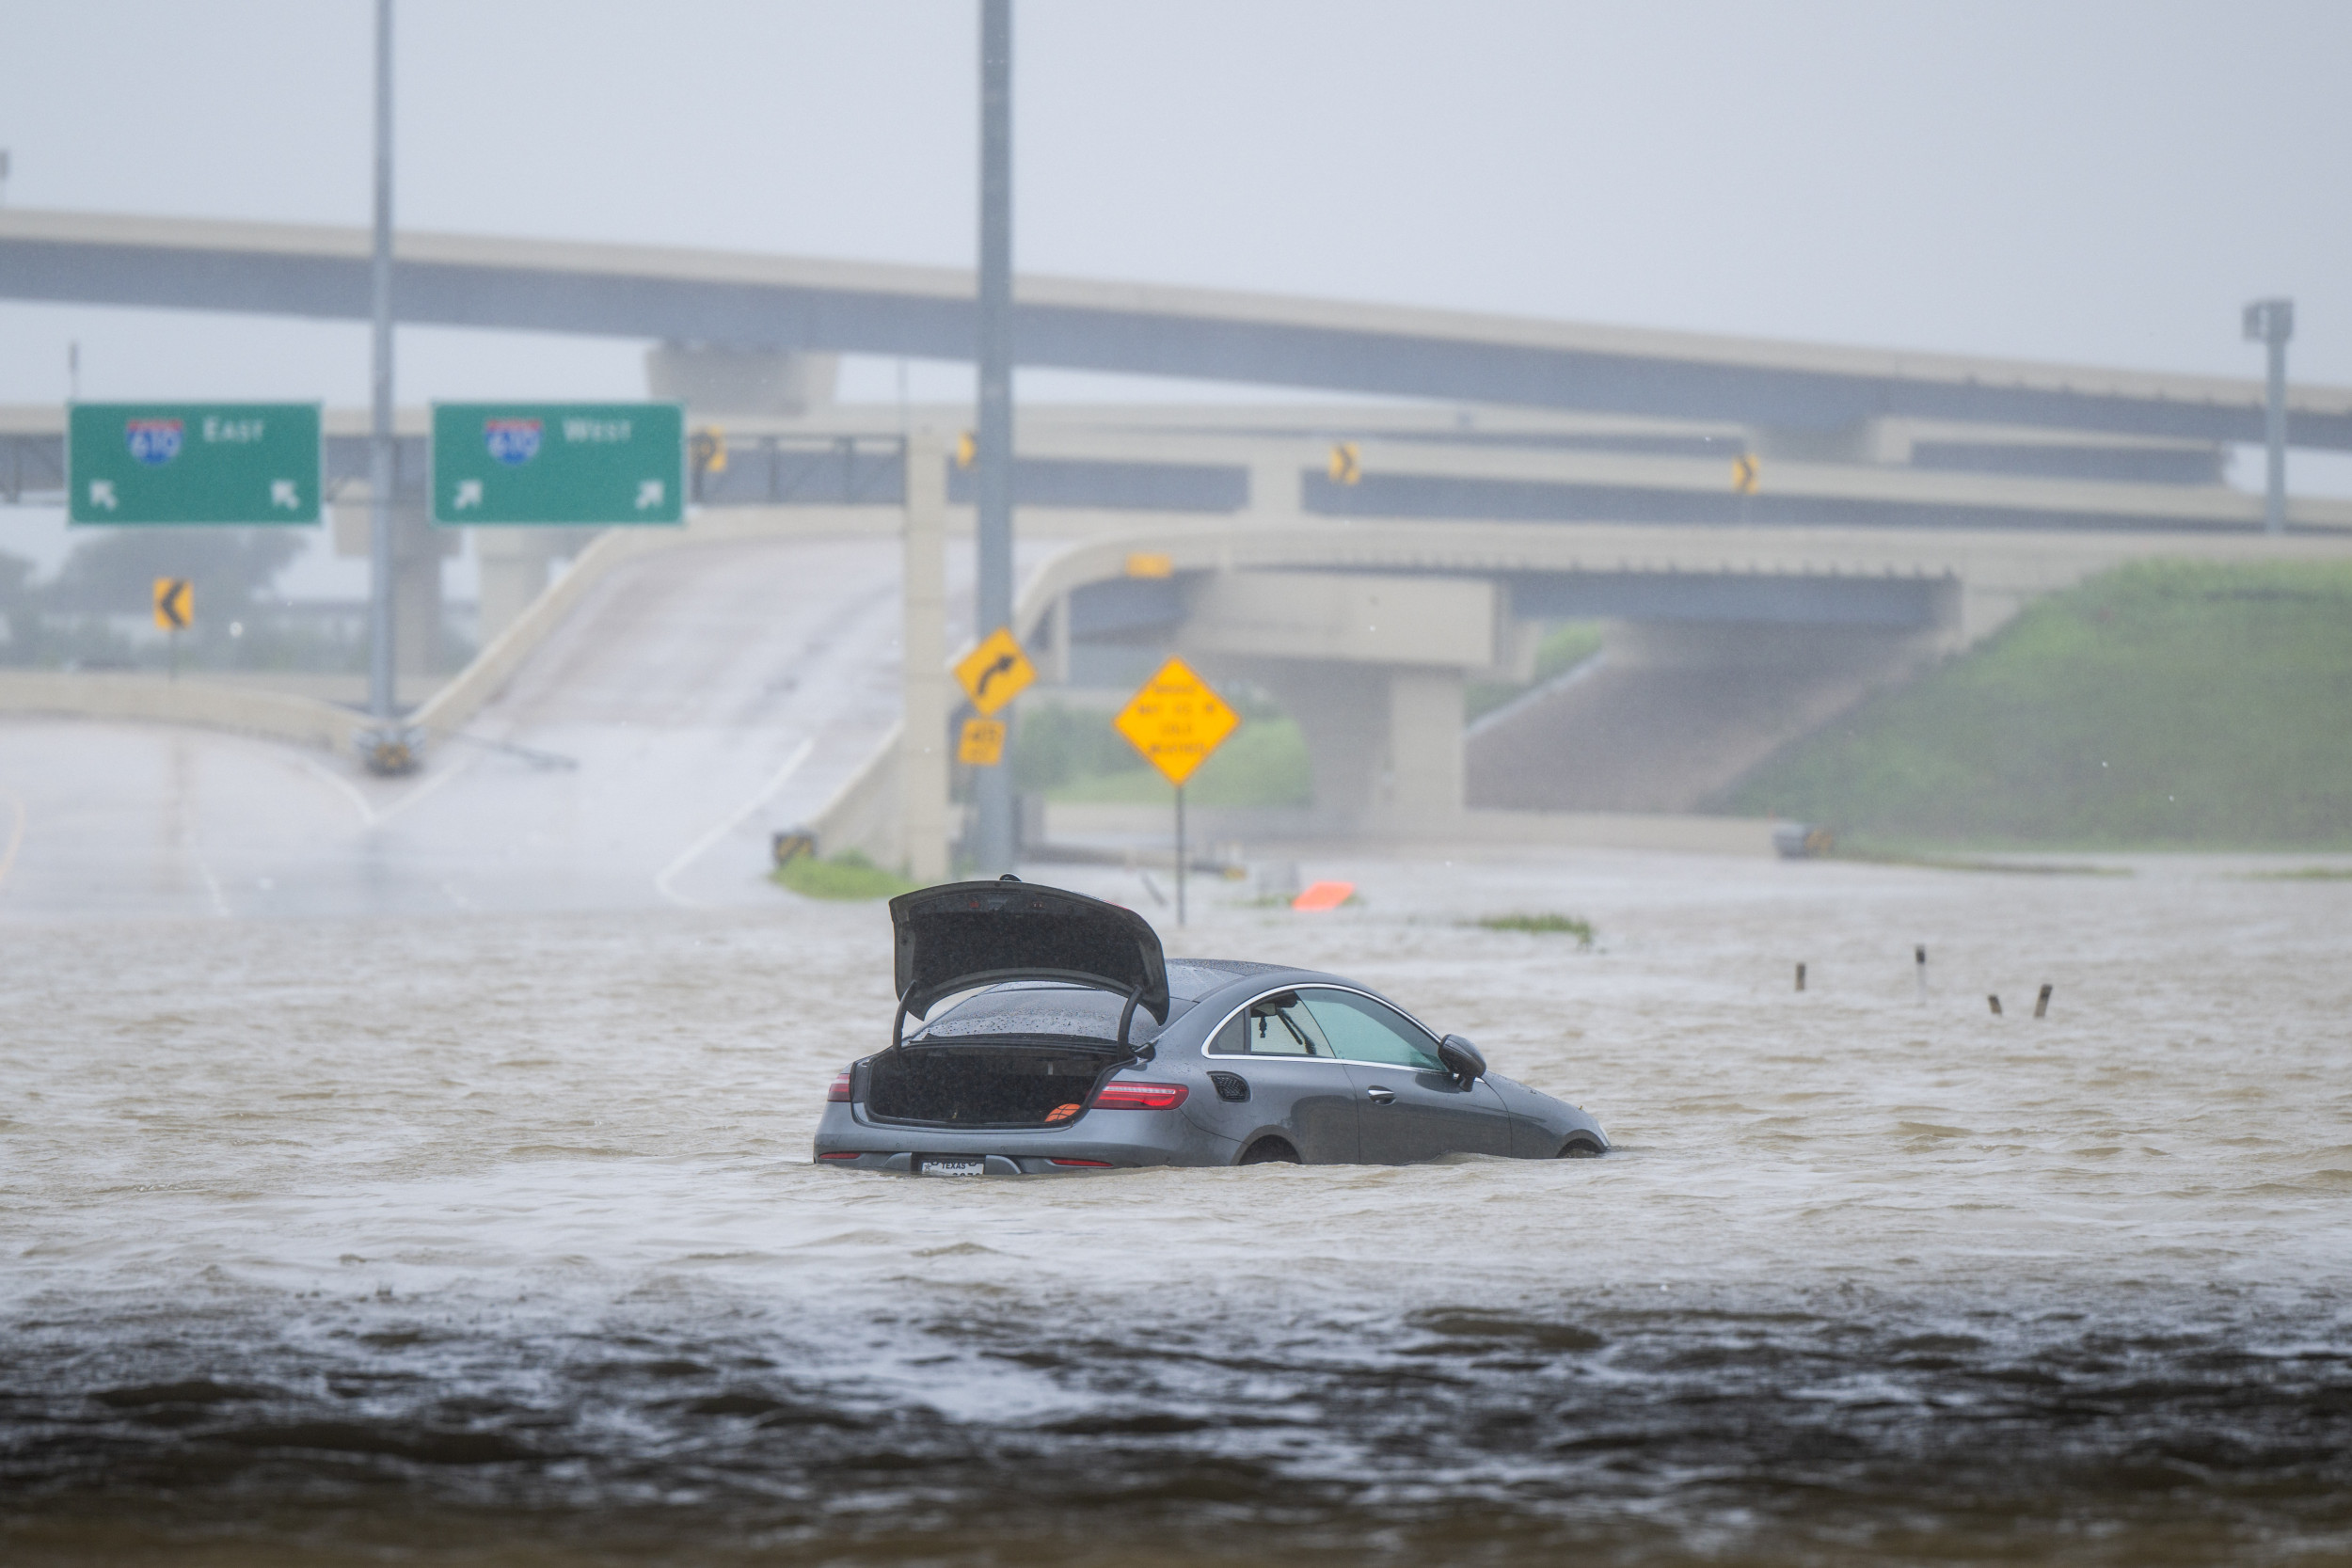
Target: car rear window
x=1032, y=1009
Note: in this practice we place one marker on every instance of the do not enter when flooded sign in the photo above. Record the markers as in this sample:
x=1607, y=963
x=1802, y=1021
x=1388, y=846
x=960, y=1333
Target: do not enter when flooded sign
x=1176, y=721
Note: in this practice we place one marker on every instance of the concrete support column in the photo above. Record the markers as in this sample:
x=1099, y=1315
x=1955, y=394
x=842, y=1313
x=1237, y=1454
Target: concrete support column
x=418, y=549
x=1278, y=488
x=923, y=642
x=1385, y=741
x=1425, y=772
x=514, y=563
x=1052, y=658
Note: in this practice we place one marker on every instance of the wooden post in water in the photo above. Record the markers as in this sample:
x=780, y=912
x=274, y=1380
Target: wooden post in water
x=2041, y=1003
x=1994, y=1003
x=1801, y=977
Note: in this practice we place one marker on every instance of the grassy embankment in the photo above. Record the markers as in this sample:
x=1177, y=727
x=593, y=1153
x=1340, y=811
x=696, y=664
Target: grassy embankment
x=2164, y=705
x=849, y=875
x=1071, y=756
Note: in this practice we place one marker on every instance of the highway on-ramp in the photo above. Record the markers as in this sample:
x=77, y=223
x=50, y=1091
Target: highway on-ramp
x=695, y=699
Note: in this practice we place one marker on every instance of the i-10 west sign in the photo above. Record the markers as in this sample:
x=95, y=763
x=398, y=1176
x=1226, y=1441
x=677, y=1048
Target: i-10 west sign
x=167, y=463
x=559, y=462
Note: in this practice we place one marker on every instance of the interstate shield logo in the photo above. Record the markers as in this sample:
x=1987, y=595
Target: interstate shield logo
x=513, y=442
x=153, y=442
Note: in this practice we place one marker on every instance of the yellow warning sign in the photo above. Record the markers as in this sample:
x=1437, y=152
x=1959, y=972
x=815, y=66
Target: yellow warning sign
x=982, y=744
x=1347, y=464
x=1150, y=565
x=994, y=673
x=1743, y=473
x=1176, y=721
x=175, y=604
x=967, y=448
x=708, y=446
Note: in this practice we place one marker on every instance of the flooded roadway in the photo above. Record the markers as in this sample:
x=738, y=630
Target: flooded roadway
x=450, y=1237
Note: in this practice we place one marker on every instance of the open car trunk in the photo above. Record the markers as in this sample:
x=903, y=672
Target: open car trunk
x=985, y=1083
x=1058, y=978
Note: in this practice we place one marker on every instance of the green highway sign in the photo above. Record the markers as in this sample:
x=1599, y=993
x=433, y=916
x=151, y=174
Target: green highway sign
x=167, y=463
x=558, y=463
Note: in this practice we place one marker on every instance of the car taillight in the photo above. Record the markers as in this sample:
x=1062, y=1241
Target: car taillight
x=847, y=1154
x=1118, y=1096
x=840, y=1090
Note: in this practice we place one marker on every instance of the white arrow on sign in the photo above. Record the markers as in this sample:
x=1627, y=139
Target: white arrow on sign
x=649, y=494
x=102, y=492
x=468, y=494
x=283, y=493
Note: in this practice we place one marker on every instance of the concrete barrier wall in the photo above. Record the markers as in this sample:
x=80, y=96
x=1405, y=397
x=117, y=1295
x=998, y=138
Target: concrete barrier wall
x=864, y=814
x=146, y=699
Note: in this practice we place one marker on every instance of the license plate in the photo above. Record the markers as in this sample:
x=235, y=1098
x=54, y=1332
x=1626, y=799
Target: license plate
x=954, y=1168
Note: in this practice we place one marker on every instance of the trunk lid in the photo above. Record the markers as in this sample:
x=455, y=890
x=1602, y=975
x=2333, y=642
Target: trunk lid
x=964, y=935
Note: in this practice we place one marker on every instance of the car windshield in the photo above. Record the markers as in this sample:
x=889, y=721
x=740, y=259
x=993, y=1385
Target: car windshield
x=1029, y=1009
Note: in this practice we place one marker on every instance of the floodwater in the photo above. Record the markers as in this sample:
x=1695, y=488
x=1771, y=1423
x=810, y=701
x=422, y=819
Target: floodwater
x=472, y=1239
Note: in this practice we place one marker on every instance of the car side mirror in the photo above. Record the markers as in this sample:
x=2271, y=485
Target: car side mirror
x=1462, y=1059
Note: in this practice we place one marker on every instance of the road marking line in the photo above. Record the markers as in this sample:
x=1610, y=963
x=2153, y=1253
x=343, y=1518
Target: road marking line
x=436, y=782
x=351, y=791
x=369, y=816
x=16, y=837
x=695, y=850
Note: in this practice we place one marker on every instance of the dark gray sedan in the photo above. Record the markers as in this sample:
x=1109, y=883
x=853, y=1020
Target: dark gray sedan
x=1078, y=1045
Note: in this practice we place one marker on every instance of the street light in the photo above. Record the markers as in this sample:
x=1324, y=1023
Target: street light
x=2271, y=323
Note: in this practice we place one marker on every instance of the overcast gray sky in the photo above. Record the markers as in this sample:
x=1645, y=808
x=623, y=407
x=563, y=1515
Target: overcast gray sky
x=2104, y=182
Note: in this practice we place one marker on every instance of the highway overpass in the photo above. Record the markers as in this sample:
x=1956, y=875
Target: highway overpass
x=771, y=303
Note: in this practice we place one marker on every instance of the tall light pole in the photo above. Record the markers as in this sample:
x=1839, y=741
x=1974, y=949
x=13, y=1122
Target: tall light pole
x=2271, y=323
x=380, y=694
x=991, y=790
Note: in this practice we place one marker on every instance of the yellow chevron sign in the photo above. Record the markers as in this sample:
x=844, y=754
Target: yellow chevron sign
x=175, y=604
x=1743, y=471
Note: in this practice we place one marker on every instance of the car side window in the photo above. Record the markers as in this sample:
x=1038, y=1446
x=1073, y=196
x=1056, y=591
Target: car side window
x=1363, y=1030
x=1278, y=1026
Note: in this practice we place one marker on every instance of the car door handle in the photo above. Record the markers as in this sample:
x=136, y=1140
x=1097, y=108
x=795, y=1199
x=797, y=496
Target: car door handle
x=1380, y=1096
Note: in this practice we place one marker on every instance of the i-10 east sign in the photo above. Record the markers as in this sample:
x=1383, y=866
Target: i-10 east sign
x=558, y=463
x=178, y=463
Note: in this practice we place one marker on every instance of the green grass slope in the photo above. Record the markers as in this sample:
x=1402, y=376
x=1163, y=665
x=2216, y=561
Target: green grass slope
x=2162, y=705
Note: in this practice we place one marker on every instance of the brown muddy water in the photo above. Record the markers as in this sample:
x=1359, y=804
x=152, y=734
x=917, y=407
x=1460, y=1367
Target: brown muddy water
x=474, y=1240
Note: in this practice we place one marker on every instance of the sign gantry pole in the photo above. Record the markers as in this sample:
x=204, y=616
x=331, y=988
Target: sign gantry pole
x=992, y=839
x=381, y=567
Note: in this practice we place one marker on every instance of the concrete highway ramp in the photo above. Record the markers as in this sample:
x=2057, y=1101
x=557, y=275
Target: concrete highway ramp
x=691, y=700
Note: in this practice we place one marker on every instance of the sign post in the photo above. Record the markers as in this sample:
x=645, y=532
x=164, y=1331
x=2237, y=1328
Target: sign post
x=166, y=464
x=1176, y=721
x=559, y=463
x=992, y=674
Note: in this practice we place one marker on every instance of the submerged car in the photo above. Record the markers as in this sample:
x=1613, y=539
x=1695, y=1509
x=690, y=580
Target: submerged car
x=1078, y=1045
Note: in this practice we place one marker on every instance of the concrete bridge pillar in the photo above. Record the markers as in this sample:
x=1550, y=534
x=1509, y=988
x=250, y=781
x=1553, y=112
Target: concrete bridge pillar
x=418, y=550
x=514, y=563
x=1385, y=742
x=923, y=650
x=712, y=378
x=1370, y=666
x=1278, y=488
